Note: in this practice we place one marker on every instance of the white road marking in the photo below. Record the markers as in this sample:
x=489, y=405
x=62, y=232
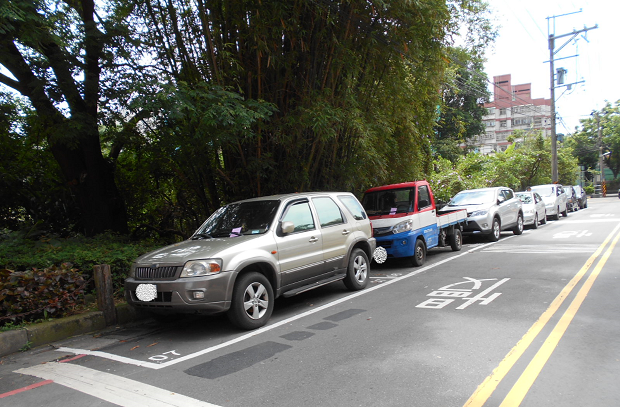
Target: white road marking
x=588, y=221
x=480, y=297
x=542, y=249
x=241, y=338
x=114, y=389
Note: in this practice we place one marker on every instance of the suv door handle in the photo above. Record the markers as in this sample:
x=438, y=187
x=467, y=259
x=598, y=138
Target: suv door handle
x=313, y=239
x=346, y=232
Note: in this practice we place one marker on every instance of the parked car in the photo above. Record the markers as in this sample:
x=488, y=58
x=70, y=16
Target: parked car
x=555, y=199
x=489, y=211
x=250, y=252
x=571, y=198
x=582, y=197
x=534, y=211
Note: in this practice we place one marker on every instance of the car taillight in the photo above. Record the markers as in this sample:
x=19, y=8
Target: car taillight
x=372, y=230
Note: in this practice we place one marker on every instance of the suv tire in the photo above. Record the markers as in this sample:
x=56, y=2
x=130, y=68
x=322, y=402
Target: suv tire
x=357, y=272
x=252, y=301
x=496, y=230
x=518, y=230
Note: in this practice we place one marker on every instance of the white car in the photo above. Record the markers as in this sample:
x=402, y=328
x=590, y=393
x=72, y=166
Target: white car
x=555, y=199
x=534, y=211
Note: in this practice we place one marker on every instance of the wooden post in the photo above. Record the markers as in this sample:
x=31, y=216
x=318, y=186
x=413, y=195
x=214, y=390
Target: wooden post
x=105, y=293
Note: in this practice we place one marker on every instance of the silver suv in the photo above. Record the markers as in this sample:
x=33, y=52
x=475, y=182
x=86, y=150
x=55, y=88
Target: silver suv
x=489, y=211
x=250, y=252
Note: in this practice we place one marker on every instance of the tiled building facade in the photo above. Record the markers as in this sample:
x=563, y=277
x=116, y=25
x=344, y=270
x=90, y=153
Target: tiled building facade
x=512, y=109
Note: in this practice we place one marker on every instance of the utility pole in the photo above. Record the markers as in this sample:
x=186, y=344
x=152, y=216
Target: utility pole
x=600, y=152
x=552, y=52
x=554, y=136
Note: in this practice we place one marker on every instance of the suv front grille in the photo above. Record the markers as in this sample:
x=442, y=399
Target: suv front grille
x=162, y=296
x=159, y=273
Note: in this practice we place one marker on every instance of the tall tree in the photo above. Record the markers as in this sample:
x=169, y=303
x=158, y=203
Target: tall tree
x=523, y=164
x=355, y=84
x=587, y=144
x=464, y=93
x=52, y=53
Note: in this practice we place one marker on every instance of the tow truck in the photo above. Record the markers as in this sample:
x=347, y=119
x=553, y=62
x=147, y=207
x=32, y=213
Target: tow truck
x=406, y=224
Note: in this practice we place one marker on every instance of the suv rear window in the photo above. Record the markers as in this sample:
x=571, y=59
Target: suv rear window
x=353, y=205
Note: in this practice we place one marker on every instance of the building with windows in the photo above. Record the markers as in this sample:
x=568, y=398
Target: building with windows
x=512, y=109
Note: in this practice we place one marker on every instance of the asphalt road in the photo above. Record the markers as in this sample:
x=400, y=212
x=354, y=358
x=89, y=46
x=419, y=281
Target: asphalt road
x=531, y=320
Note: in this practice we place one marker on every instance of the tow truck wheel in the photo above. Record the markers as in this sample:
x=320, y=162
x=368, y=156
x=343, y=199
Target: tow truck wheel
x=456, y=240
x=419, y=253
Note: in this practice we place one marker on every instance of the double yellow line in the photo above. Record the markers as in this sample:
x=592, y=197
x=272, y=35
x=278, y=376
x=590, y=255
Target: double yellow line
x=529, y=375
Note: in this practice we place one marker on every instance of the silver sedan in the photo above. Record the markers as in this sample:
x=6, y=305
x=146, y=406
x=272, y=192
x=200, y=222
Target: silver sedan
x=534, y=211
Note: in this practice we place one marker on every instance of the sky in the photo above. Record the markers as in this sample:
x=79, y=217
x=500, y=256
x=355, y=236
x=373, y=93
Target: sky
x=522, y=48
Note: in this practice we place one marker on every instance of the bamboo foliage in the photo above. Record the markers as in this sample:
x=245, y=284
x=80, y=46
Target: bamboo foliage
x=355, y=85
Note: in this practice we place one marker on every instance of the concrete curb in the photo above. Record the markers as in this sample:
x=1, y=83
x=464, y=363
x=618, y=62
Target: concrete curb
x=63, y=328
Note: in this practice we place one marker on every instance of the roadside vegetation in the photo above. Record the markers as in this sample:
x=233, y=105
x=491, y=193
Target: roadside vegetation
x=525, y=163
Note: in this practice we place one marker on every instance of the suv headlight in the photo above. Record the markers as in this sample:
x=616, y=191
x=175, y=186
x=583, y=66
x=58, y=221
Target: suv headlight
x=478, y=213
x=402, y=226
x=198, y=268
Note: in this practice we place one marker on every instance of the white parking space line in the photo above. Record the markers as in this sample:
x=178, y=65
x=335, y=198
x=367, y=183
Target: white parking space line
x=114, y=389
x=269, y=327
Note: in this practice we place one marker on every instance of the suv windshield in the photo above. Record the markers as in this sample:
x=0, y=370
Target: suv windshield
x=526, y=198
x=544, y=190
x=245, y=218
x=389, y=201
x=473, y=198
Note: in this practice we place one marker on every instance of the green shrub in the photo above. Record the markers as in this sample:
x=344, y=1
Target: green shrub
x=19, y=252
x=589, y=189
x=33, y=294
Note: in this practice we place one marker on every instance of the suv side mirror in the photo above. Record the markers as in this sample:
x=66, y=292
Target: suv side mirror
x=287, y=227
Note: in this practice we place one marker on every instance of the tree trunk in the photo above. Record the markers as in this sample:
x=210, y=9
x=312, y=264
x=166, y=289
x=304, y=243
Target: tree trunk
x=91, y=179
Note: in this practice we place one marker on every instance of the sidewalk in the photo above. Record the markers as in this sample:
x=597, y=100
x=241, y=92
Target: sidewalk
x=62, y=328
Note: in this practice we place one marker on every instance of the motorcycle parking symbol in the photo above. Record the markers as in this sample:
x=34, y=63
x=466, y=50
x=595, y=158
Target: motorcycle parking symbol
x=463, y=291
